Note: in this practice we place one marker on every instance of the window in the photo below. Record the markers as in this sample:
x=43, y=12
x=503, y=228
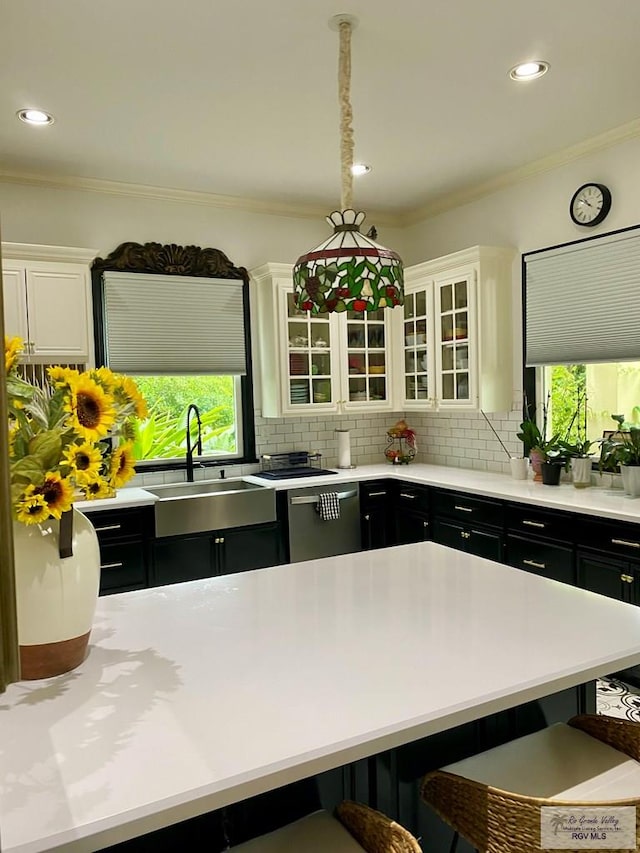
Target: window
x=163, y=435
x=611, y=389
x=181, y=329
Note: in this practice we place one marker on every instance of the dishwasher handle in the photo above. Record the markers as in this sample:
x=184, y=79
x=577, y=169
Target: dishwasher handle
x=313, y=499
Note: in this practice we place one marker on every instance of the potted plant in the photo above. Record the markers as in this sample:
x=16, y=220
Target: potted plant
x=578, y=450
x=536, y=445
x=622, y=448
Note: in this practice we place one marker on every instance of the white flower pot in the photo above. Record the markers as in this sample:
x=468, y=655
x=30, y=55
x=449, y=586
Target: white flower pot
x=631, y=479
x=56, y=597
x=581, y=472
x=519, y=467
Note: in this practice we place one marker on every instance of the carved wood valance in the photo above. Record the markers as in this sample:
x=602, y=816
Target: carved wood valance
x=170, y=260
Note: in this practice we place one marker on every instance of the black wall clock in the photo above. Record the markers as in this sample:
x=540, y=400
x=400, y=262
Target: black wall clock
x=590, y=204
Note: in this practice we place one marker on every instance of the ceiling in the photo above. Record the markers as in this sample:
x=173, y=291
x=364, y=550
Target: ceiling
x=239, y=97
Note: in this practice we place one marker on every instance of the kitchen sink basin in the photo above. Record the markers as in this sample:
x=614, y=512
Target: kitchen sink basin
x=211, y=505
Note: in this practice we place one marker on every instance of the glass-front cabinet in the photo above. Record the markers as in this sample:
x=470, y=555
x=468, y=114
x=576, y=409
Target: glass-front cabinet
x=456, y=329
x=455, y=342
x=334, y=363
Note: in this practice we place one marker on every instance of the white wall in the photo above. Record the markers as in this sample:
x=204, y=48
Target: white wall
x=531, y=214
x=528, y=215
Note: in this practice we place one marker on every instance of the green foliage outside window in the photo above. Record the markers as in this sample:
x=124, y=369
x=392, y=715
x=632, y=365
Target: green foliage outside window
x=568, y=387
x=163, y=434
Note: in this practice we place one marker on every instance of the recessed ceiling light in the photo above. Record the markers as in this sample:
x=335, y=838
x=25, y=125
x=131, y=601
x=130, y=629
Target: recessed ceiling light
x=529, y=70
x=360, y=169
x=35, y=117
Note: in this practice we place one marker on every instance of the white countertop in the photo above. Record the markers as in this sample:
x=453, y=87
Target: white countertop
x=204, y=693
x=127, y=497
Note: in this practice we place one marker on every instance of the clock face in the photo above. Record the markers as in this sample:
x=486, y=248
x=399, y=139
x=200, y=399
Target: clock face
x=590, y=204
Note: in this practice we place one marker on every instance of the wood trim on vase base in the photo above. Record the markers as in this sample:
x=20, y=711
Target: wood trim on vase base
x=45, y=660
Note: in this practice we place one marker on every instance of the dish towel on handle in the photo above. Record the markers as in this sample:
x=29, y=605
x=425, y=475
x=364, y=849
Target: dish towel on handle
x=328, y=507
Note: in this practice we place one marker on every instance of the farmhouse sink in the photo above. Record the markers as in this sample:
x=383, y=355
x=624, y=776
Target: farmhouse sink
x=211, y=505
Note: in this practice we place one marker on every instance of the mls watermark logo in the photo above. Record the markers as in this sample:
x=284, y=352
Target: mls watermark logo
x=588, y=828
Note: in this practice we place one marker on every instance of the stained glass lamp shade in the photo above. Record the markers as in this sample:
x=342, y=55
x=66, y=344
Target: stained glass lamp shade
x=348, y=272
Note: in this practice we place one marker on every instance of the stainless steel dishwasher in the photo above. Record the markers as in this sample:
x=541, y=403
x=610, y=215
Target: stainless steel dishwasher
x=309, y=536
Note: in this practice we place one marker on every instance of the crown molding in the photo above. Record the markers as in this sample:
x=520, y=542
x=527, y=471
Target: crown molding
x=35, y=252
x=447, y=202
x=206, y=199
x=444, y=203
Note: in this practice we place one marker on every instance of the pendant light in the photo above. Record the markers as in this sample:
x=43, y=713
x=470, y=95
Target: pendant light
x=349, y=271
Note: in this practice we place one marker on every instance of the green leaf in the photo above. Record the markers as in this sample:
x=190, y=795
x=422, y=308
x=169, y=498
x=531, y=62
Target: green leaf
x=46, y=447
x=27, y=470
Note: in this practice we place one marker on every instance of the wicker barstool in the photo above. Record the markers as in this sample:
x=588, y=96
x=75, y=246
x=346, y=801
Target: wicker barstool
x=494, y=799
x=356, y=828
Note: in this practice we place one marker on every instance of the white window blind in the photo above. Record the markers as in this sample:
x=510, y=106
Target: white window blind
x=173, y=324
x=583, y=301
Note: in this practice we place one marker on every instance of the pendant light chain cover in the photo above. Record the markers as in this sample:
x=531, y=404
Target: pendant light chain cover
x=348, y=272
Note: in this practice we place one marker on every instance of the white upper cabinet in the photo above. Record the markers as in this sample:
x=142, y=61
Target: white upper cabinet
x=47, y=299
x=454, y=341
x=335, y=363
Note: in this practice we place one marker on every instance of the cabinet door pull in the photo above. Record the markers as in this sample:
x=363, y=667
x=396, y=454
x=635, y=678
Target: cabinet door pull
x=376, y=494
x=533, y=523
x=425, y=523
x=626, y=578
x=408, y=496
x=465, y=535
x=111, y=565
x=534, y=564
x=463, y=508
x=108, y=527
x=624, y=542
x=367, y=518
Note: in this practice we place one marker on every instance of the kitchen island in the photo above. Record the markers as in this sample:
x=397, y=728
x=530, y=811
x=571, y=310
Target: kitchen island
x=201, y=694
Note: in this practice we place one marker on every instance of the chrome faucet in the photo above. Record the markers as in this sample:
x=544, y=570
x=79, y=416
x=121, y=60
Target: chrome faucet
x=198, y=446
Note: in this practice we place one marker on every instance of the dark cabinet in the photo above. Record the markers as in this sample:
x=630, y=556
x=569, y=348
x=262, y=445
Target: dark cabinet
x=609, y=576
x=468, y=523
x=125, y=538
x=474, y=540
x=541, y=558
x=238, y=549
x=376, y=514
x=411, y=513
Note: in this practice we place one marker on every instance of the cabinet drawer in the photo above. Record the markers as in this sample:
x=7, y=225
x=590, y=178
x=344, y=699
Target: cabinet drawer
x=375, y=492
x=541, y=558
x=616, y=538
x=122, y=567
x=118, y=524
x=410, y=496
x=471, y=510
x=530, y=521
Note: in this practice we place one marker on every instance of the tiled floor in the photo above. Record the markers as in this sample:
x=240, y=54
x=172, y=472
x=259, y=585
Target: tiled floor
x=617, y=699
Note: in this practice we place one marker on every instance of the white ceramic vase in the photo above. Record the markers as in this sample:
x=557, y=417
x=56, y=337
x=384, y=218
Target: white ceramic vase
x=581, y=472
x=56, y=597
x=519, y=467
x=631, y=479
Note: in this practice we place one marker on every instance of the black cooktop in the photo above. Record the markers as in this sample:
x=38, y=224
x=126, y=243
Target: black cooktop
x=296, y=471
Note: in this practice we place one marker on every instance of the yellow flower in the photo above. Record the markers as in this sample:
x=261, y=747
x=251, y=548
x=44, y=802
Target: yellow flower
x=105, y=377
x=92, y=412
x=122, y=465
x=130, y=389
x=96, y=489
x=12, y=349
x=57, y=493
x=32, y=508
x=84, y=460
x=62, y=376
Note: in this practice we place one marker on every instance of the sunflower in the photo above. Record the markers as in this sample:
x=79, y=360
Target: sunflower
x=31, y=508
x=96, y=489
x=62, y=377
x=92, y=412
x=84, y=460
x=130, y=389
x=122, y=465
x=106, y=378
x=12, y=349
x=57, y=493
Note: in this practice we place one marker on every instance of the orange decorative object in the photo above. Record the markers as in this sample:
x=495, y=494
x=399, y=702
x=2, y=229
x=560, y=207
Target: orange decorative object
x=402, y=446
